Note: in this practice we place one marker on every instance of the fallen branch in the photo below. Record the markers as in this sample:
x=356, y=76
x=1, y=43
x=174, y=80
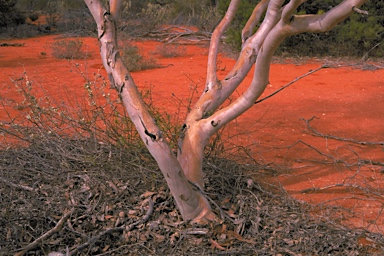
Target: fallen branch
x=330, y=136
x=15, y=44
x=365, y=190
x=117, y=229
x=11, y=184
x=171, y=34
x=54, y=230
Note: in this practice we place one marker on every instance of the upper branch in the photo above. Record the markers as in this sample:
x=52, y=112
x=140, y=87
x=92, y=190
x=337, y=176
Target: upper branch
x=288, y=25
x=254, y=19
x=214, y=44
x=326, y=21
x=114, y=8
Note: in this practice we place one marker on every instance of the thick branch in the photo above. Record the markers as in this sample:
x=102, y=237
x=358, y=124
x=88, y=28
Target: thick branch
x=326, y=21
x=214, y=44
x=191, y=203
x=115, y=7
x=284, y=28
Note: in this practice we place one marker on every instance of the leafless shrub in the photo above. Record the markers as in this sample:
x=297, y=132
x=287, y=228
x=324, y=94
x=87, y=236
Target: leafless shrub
x=170, y=50
x=68, y=49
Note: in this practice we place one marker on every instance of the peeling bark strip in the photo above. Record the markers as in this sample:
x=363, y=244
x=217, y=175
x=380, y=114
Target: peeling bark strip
x=205, y=118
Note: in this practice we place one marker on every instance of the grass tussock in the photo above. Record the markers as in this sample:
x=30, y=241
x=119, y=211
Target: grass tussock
x=134, y=60
x=170, y=50
x=69, y=49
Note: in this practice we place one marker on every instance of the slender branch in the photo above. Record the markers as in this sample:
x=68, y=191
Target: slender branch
x=55, y=229
x=255, y=18
x=326, y=21
x=369, y=192
x=360, y=11
x=290, y=83
x=214, y=44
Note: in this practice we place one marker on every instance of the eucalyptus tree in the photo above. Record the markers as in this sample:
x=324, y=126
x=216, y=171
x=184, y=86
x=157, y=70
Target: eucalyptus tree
x=271, y=22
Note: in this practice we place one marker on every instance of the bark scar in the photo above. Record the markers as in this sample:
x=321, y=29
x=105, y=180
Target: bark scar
x=149, y=134
x=214, y=124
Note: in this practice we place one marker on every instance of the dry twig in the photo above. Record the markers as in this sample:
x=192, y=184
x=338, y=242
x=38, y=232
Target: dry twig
x=54, y=230
x=117, y=229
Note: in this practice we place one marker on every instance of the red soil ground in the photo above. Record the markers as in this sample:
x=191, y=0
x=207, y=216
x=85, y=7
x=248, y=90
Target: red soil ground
x=347, y=101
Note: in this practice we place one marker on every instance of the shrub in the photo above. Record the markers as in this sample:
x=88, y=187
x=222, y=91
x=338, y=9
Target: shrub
x=134, y=60
x=142, y=21
x=9, y=14
x=68, y=49
x=34, y=16
x=170, y=50
x=21, y=31
x=202, y=14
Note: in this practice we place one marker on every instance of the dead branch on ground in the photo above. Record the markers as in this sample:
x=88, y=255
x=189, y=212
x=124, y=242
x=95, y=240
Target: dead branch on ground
x=316, y=133
x=46, y=235
x=170, y=34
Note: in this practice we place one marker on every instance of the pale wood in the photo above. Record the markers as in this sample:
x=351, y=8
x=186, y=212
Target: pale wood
x=255, y=18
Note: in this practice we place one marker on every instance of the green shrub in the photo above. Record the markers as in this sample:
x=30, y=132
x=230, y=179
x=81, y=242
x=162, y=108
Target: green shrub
x=242, y=15
x=68, y=49
x=142, y=19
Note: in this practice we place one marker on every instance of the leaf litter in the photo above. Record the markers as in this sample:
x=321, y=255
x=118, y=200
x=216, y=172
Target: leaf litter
x=105, y=200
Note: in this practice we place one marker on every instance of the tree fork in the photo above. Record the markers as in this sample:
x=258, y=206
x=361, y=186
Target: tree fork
x=192, y=204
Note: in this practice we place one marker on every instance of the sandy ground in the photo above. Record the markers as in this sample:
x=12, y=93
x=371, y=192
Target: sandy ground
x=346, y=101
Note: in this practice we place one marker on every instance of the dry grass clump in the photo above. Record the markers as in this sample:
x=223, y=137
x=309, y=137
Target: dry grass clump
x=134, y=60
x=170, y=50
x=69, y=49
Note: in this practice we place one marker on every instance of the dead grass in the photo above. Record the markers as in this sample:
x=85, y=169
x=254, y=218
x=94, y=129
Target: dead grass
x=68, y=49
x=110, y=188
x=170, y=50
x=134, y=60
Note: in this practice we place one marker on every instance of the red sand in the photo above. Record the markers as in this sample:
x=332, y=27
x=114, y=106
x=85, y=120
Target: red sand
x=347, y=103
